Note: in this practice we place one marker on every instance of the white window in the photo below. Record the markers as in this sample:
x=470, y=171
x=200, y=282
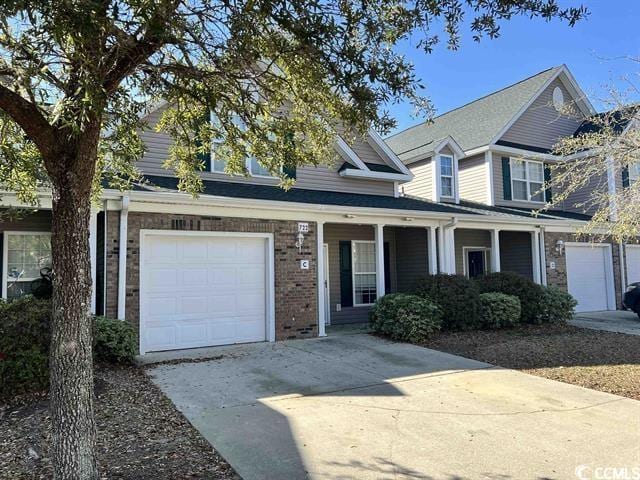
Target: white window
x=634, y=172
x=363, y=267
x=257, y=170
x=25, y=253
x=446, y=176
x=527, y=178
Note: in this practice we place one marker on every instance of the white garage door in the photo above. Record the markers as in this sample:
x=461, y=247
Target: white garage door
x=633, y=263
x=202, y=290
x=589, y=276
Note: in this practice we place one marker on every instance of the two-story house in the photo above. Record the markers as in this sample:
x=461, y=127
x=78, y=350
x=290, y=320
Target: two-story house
x=247, y=261
x=495, y=153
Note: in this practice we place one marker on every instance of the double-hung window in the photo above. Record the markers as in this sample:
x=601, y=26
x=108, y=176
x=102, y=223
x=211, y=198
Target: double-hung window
x=446, y=176
x=527, y=179
x=634, y=172
x=25, y=253
x=363, y=255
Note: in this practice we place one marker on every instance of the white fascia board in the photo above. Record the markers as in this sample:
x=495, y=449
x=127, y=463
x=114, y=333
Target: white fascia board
x=450, y=142
x=348, y=154
x=384, y=176
x=517, y=152
x=380, y=146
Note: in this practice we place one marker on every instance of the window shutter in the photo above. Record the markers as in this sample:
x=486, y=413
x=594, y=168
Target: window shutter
x=205, y=157
x=547, y=179
x=625, y=177
x=506, y=178
x=289, y=172
x=346, y=280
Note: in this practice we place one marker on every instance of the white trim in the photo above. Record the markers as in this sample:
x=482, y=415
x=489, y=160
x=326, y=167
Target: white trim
x=527, y=180
x=495, y=250
x=611, y=289
x=626, y=264
x=465, y=259
x=5, y=254
x=381, y=148
x=435, y=184
x=353, y=272
x=348, y=154
x=441, y=250
x=442, y=156
x=535, y=256
x=122, y=258
x=270, y=332
x=327, y=288
x=369, y=174
x=543, y=258
x=432, y=251
x=449, y=141
x=488, y=165
x=322, y=278
x=501, y=149
x=93, y=253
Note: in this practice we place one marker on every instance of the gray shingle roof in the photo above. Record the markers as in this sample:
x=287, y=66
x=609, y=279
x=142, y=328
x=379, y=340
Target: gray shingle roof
x=472, y=125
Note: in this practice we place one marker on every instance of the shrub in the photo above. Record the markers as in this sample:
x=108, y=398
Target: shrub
x=499, y=310
x=24, y=345
x=529, y=293
x=557, y=306
x=457, y=296
x=404, y=317
x=114, y=341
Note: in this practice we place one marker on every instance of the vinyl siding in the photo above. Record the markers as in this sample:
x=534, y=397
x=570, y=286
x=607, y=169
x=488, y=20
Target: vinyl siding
x=473, y=179
x=323, y=177
x=333, y=234
x=469, y=238
x=580, y=200
x=422, y=183
x=541, y=125
x=515, y=253
x=412, y=262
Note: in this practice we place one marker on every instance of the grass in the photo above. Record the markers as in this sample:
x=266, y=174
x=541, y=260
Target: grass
x=604, y=361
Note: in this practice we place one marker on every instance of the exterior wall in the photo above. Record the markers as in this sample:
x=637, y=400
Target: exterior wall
x=295, y=289
x=499, y=188
x=516, y=253
x=422, y=183
x=323, y=177
x=467, y=237
x=558, y=276
x=580, y=200
x=541, y=125
x=412, y=259
x=473, y=179
x=333, y=234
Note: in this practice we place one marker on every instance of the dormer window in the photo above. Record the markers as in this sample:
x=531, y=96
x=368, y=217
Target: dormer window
x=446, y=176
x=527, y=178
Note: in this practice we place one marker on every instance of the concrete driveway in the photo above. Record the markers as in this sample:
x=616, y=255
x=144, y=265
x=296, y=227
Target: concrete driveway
x=617, y=321
x=357, y=407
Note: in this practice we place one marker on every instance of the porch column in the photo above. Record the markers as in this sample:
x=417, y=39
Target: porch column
x=432, y=251
x=535, y=256
x=93, y=252
x=321, y=279
x=448, y=250
x=495, y=250
x=441, y=251
x=543, y=258
x=379, y=234
x=122, y=259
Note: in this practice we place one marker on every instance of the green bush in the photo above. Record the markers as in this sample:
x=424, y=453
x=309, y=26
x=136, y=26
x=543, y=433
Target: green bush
x=404, y=317
x=557, y=306
x=25, y=324
x=25, y=337
x=114, y=341
x=457, y=296
x=509, y=283
x=499, y=310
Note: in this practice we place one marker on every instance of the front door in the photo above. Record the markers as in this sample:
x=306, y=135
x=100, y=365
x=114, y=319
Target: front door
x=475, y=262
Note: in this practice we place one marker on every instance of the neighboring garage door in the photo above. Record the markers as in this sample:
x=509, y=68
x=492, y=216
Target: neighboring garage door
x=633, y=263
x=201, y=290
x=590, y=276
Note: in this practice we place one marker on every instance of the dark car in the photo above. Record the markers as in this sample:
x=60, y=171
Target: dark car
x=631, y=298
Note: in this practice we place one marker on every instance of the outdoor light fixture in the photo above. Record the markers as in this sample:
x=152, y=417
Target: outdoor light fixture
x=560, y=247
x=299, y=241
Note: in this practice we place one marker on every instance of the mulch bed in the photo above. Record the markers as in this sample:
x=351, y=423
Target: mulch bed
x=609, y=362
x=140, y=434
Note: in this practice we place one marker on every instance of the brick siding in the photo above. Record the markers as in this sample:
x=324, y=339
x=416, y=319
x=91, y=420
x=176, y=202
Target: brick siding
x=295, y=289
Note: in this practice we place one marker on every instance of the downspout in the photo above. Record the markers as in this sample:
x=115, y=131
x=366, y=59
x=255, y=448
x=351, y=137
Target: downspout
x=449, y=250
x=122, y=258
x=104, y=258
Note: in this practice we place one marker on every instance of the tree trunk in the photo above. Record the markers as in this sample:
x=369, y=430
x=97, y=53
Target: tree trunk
x=74, y=429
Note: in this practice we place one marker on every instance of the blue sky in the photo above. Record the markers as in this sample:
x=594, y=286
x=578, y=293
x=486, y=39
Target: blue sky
x=592, y=50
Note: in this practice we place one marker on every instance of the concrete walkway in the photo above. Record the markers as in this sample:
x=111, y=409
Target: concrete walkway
x=613, y=321
x=357, y=407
